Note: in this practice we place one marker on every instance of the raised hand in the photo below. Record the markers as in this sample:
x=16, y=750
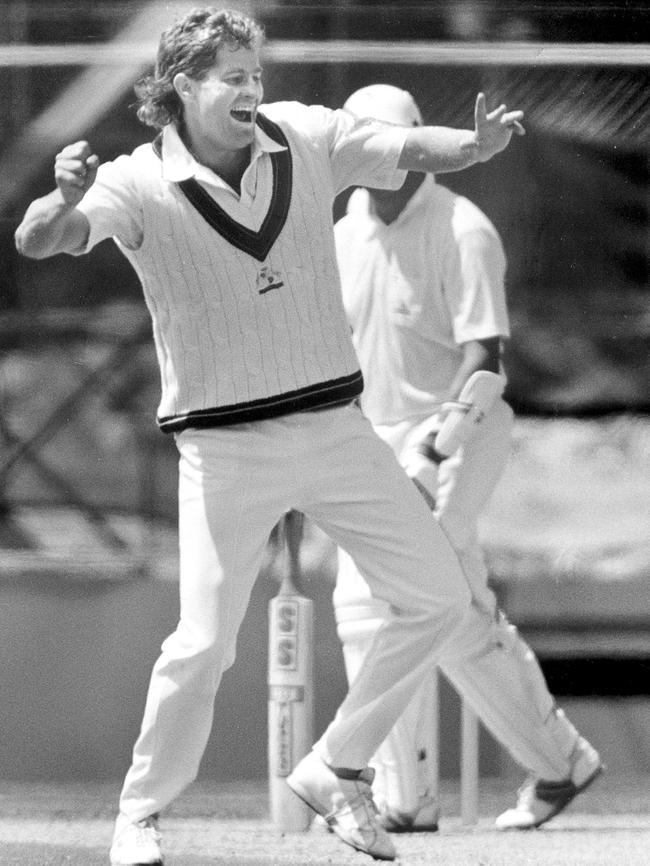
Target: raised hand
x=493, y=130
x=75, y=170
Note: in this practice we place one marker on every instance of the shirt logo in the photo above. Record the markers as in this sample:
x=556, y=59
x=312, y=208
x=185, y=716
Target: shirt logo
x=268, y=279
x=401, y=309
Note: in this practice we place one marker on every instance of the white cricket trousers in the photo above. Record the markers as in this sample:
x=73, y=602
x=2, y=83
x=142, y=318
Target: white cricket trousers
x=234, y=485
x=497, y=673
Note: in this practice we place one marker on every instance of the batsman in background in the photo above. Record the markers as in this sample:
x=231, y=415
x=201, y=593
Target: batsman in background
x=422, y=271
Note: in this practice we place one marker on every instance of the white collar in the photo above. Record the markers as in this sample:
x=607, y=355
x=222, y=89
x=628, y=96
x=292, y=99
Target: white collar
x=178, y=163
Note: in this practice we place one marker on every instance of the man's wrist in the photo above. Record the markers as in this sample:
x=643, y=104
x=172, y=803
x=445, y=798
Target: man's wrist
x=60, y=204
x=471, y=148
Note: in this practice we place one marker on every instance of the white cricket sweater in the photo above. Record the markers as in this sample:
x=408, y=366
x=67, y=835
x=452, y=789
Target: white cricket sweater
x=248, y=322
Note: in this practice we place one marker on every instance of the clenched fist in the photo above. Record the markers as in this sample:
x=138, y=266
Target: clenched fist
x=75, y=170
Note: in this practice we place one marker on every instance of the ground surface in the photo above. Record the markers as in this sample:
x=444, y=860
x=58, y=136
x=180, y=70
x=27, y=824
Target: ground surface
x=228, y=825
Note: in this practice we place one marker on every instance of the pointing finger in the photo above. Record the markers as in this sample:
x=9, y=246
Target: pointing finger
x=479, y=108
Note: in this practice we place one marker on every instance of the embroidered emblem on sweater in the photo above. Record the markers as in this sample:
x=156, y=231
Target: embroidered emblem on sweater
x=268, y=279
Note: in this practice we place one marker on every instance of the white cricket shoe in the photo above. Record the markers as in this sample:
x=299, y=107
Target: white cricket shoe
x=540, y=800
x=423, y=819
x=344, y=799
x=136, y=844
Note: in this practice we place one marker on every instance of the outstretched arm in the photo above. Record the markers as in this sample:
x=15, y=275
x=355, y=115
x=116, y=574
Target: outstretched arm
x=52, y=224
x=440, y=149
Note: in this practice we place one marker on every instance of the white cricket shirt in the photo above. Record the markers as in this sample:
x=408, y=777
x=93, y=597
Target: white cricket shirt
x=243, y=290
x=414, y=291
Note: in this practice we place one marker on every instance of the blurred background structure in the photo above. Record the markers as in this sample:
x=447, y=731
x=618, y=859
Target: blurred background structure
x=88, y=484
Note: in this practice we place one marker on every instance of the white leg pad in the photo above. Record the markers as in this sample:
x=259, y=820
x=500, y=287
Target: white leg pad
x=504, y=684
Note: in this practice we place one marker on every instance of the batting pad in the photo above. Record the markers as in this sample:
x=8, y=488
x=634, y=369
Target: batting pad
x=465, y=414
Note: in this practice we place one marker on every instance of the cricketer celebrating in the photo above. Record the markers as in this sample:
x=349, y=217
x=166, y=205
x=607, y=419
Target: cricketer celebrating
x=423, y=271
x=227, y=219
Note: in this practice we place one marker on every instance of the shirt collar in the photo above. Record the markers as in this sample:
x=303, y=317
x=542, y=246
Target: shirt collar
x=178, y=163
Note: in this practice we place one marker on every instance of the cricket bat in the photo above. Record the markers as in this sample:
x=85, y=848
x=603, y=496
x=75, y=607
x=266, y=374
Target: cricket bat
x=290, y=682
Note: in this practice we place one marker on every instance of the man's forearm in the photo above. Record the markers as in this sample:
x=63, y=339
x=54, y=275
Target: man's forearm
x=477, y=355
x=50, y=226
x=439, y=149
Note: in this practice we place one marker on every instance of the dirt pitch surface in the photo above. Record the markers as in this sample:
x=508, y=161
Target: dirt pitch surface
x=228, y=825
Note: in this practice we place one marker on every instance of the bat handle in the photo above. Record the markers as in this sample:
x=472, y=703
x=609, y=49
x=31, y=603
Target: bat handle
x=293, y=534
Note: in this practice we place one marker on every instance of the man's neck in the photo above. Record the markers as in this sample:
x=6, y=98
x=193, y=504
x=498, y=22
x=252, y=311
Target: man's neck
x=388, y=205
x=387, y=211
x=230, y=165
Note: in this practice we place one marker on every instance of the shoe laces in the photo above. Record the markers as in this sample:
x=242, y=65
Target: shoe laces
x=147, y=829
x=362, y=801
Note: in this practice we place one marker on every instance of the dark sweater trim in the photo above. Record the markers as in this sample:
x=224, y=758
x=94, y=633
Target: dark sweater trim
x=319, y=396
x=255, y=243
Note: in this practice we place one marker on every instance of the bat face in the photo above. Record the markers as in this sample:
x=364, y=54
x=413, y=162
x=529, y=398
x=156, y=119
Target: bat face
x=290, y=706
x=286, y=635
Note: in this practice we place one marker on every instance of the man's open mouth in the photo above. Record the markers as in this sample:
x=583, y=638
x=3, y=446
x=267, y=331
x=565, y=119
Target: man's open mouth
x=242, y=115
